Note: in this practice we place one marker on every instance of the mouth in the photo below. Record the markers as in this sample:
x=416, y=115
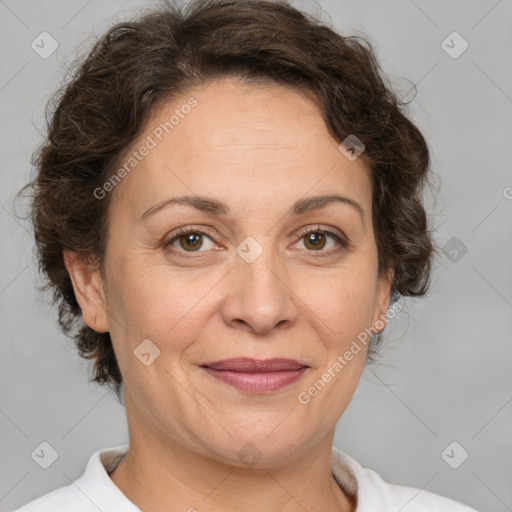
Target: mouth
x=256, y=375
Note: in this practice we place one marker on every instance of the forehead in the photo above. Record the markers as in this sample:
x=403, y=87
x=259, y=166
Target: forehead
x=242, y=141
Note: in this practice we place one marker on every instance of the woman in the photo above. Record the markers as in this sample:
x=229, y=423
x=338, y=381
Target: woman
x=227, y=205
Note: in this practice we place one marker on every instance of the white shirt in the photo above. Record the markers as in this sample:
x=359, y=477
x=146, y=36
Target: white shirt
x=94, y=490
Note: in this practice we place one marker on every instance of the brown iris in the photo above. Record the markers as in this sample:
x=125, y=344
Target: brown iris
x=314, y=239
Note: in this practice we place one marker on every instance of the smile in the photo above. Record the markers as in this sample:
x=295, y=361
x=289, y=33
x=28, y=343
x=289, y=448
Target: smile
x=256, y=376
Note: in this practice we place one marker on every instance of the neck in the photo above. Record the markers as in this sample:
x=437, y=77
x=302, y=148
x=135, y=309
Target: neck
x=182, y=480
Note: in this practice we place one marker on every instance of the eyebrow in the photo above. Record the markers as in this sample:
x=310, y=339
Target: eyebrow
x=215, y=207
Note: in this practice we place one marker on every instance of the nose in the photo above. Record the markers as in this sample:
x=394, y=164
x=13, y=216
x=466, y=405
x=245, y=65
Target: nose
x=260, y=296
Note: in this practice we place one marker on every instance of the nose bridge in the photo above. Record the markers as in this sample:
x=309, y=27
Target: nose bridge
x=259, y=295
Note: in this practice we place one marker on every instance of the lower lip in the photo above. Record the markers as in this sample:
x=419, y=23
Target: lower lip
x=257, y=382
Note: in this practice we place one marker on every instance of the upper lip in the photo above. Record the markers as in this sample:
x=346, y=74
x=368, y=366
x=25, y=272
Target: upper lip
x=249, y=365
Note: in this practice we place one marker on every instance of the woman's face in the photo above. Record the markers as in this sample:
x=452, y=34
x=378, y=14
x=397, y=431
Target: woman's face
x=247, y=282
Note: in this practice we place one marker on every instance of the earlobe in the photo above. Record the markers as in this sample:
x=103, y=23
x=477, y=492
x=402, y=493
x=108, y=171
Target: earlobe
x=87, y=284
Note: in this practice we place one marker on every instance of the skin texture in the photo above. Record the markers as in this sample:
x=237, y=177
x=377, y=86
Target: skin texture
x=257, y=148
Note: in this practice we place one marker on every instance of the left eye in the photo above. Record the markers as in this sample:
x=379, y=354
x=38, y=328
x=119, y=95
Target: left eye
x=315, y=240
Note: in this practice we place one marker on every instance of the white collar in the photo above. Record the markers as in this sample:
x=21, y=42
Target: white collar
x=95, y=490
x=97, y=485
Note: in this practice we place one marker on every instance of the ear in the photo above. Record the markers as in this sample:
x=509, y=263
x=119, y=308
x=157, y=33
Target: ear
x=384, y=284
x=88, y=286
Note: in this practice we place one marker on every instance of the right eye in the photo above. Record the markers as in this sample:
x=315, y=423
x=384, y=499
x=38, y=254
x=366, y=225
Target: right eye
x=190, y=239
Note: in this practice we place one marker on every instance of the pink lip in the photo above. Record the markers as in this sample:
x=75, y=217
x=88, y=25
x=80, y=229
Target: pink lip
x=254, y=375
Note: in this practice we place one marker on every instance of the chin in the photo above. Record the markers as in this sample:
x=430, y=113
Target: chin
x=260, y=447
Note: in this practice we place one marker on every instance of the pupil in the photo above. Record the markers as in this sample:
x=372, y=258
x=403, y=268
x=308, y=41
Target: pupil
x=312, y=237
x=189, y=241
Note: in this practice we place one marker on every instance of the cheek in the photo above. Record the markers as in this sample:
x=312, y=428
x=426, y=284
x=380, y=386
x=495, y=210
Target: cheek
x=344, y=303
x=148, y=301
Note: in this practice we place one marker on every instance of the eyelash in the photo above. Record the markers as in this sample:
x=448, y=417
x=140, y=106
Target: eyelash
x=343, y=243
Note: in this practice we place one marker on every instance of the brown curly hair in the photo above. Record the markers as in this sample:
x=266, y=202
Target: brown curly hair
x=138, y=65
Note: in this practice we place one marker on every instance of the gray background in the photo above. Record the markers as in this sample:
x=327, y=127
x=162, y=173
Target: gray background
x=445, y=374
